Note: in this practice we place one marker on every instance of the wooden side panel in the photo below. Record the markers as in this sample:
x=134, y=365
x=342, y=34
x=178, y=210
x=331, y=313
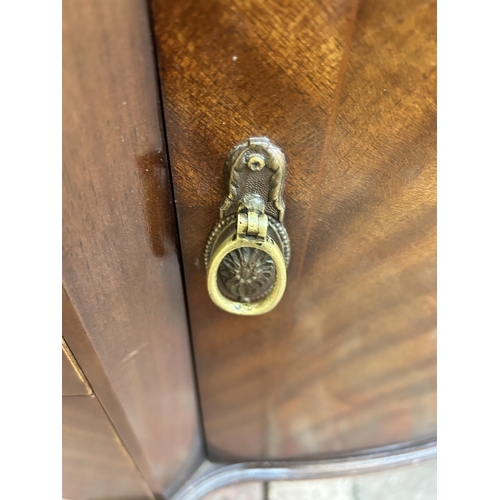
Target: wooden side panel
x=95, y=463
x=73, y=380
x=121, y=266
x=347, y=360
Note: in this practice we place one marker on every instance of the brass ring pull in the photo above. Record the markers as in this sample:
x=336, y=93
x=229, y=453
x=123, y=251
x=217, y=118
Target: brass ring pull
x=248, y=250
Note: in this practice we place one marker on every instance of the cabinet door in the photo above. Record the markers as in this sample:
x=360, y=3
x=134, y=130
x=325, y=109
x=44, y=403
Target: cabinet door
x=347, y=361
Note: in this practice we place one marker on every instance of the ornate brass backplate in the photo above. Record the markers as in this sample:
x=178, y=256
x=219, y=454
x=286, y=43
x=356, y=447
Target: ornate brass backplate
x=248, y=250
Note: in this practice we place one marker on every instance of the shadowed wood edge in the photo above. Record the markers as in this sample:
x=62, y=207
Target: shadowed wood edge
x=212, y=476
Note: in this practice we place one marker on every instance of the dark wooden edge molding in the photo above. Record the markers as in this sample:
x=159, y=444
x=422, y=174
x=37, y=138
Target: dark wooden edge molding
x=211, y=476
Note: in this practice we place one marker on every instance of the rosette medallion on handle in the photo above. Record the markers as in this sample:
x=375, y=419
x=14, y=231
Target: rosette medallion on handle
x=248, y=250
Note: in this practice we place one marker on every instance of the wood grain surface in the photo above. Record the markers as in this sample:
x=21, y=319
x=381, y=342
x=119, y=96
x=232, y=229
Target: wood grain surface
x=121, y=270
x=346, y=362
x=95, y=465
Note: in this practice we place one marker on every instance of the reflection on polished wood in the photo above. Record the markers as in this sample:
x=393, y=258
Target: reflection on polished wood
x=346, y=361
x=216, y=475
x=244, y=491
x=125, y=318
x=95, y=465
x=74, y=382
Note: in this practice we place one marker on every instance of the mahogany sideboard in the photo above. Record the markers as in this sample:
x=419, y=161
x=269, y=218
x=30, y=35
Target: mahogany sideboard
x=166, y=395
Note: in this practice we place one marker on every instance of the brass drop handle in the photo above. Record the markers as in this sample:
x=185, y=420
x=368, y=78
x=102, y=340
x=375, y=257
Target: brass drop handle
x=248, y=250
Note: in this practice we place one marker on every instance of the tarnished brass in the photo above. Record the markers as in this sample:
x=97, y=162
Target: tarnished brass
x=248, y=250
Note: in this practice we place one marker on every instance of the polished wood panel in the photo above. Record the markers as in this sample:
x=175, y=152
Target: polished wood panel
x=74, y=382
x=121, y=266
x=96, y=466
x=88, y=360
x=347, y=360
